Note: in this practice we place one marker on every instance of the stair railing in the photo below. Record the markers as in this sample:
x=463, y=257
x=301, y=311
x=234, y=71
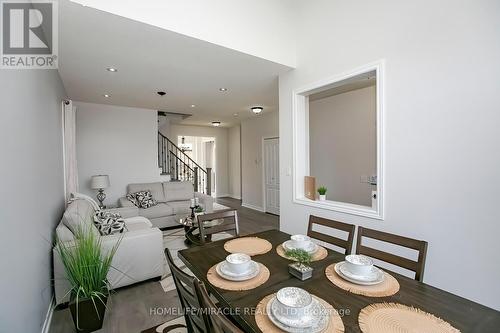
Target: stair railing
x=174, y=161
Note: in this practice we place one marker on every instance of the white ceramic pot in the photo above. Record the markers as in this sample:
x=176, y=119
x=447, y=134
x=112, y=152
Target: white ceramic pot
x=322, y=197
x=238, y=263
x=359, y=264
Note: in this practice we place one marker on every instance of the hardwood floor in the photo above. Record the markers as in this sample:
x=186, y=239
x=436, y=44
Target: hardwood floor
x=144, y=305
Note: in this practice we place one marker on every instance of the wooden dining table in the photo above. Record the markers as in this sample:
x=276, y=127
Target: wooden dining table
x=463, y=314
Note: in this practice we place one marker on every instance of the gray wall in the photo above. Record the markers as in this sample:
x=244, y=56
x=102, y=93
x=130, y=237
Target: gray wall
x=343, y=144
x=253, y=130
x=117, y=141
x=32, y=193
x=441, y=125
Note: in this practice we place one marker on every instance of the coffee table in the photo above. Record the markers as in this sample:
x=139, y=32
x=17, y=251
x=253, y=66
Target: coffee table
x=191, y=226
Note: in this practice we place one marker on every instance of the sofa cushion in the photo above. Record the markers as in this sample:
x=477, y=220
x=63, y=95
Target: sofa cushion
x=156, y=190
x=142, y=199
x=79, y=216
x=159, y=210
x=180, y=207
x=178, y=191
x=109, y=223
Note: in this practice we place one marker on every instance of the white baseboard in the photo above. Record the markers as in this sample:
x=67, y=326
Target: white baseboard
x=222, y=195
x=237, y=197
x=260, y=209
x=48, y=316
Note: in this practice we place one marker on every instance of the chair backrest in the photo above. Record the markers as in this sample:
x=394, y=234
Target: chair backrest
x=345, y=244
x=230, y=223
x=218, y=322
x=414, y=266
x=196, y=321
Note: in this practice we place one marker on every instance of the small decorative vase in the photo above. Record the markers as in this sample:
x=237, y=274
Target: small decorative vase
x=300, y=271
x=322, y=197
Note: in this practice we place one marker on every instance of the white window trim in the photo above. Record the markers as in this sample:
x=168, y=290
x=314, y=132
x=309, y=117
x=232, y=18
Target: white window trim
x=300, y=134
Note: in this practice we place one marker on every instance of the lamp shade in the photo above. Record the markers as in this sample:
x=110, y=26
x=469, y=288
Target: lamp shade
x=99, y=181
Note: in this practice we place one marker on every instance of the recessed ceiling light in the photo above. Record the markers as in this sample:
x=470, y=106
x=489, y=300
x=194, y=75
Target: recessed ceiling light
x=216, y=123
x=222, y=89
x=112, y=69
x=235, y=114
x=193, y=105
x=257, y=109
x=107, y=95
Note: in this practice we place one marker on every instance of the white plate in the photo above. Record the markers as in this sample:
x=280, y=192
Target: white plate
x=312, y=248
x=225, y=273
x=319, y=319
x=376, y=275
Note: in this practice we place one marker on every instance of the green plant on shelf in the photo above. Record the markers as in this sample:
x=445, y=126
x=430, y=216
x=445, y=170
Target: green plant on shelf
x=299, y=255
x=322, y=190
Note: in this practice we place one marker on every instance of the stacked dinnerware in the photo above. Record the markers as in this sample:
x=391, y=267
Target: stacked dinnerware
x=238, y=267
x=301, y=242
x=295, y=310
x=359, y=269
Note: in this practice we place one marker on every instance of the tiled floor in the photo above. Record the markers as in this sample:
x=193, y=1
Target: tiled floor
x=144, y=305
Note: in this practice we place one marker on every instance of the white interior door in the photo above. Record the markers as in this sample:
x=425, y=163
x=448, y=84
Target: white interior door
x=271, y=175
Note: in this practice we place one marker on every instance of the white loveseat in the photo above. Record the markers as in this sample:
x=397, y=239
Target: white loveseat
x=174, y=200
x=139, y=257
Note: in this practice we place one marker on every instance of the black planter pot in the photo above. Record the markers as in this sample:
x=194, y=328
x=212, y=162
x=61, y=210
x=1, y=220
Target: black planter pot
x=85, y=316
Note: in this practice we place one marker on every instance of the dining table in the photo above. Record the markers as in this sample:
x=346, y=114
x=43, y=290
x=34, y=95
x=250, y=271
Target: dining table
x=463, y=314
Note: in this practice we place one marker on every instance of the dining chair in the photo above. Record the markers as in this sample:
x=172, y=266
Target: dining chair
x=230, y=223
x=196, y=321
x=415, y=266
x=345, y=244
x=218, y=322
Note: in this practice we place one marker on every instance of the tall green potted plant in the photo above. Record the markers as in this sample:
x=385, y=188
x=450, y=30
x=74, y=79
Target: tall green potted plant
x=87, y=265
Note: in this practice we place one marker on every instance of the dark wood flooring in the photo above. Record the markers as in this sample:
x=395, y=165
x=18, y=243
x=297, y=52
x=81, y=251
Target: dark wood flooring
x=143, y=305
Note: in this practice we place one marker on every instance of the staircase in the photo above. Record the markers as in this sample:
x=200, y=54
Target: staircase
x=174, y=162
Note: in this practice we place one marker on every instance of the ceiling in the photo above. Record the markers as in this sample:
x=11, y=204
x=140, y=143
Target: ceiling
x=150, y=59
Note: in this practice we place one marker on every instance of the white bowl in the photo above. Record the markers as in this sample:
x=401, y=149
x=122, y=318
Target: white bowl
x=300, y=241
x=359, y=264
x=238, y=262
x=293, y=302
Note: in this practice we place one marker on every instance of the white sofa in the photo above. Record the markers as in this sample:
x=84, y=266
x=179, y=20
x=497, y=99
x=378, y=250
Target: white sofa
x=139, y=257
x=173, y=202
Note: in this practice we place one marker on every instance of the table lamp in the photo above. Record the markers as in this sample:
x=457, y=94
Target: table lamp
x=99, y=183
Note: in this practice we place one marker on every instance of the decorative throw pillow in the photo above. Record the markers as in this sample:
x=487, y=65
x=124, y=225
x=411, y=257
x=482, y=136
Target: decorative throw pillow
x=142, y=199
x=109, y=223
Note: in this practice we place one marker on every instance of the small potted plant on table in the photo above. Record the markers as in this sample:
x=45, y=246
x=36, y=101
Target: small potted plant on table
x=87, y=266
x=322, y=193
x=300, y=268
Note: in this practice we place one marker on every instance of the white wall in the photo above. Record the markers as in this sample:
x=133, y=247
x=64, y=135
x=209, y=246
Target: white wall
x=117, y=141
x=343, y=144
x=221, y=150
x=234, y=160
x=253, y=131
x=250, y=22
x=32, y=194
x=441, y=120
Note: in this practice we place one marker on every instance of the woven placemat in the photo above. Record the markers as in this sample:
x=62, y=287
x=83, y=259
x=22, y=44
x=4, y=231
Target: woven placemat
x=215, y=279
x=322, y=253
x=393, y=317
x=335, y=324
x=388, y=287
x=248, y=245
